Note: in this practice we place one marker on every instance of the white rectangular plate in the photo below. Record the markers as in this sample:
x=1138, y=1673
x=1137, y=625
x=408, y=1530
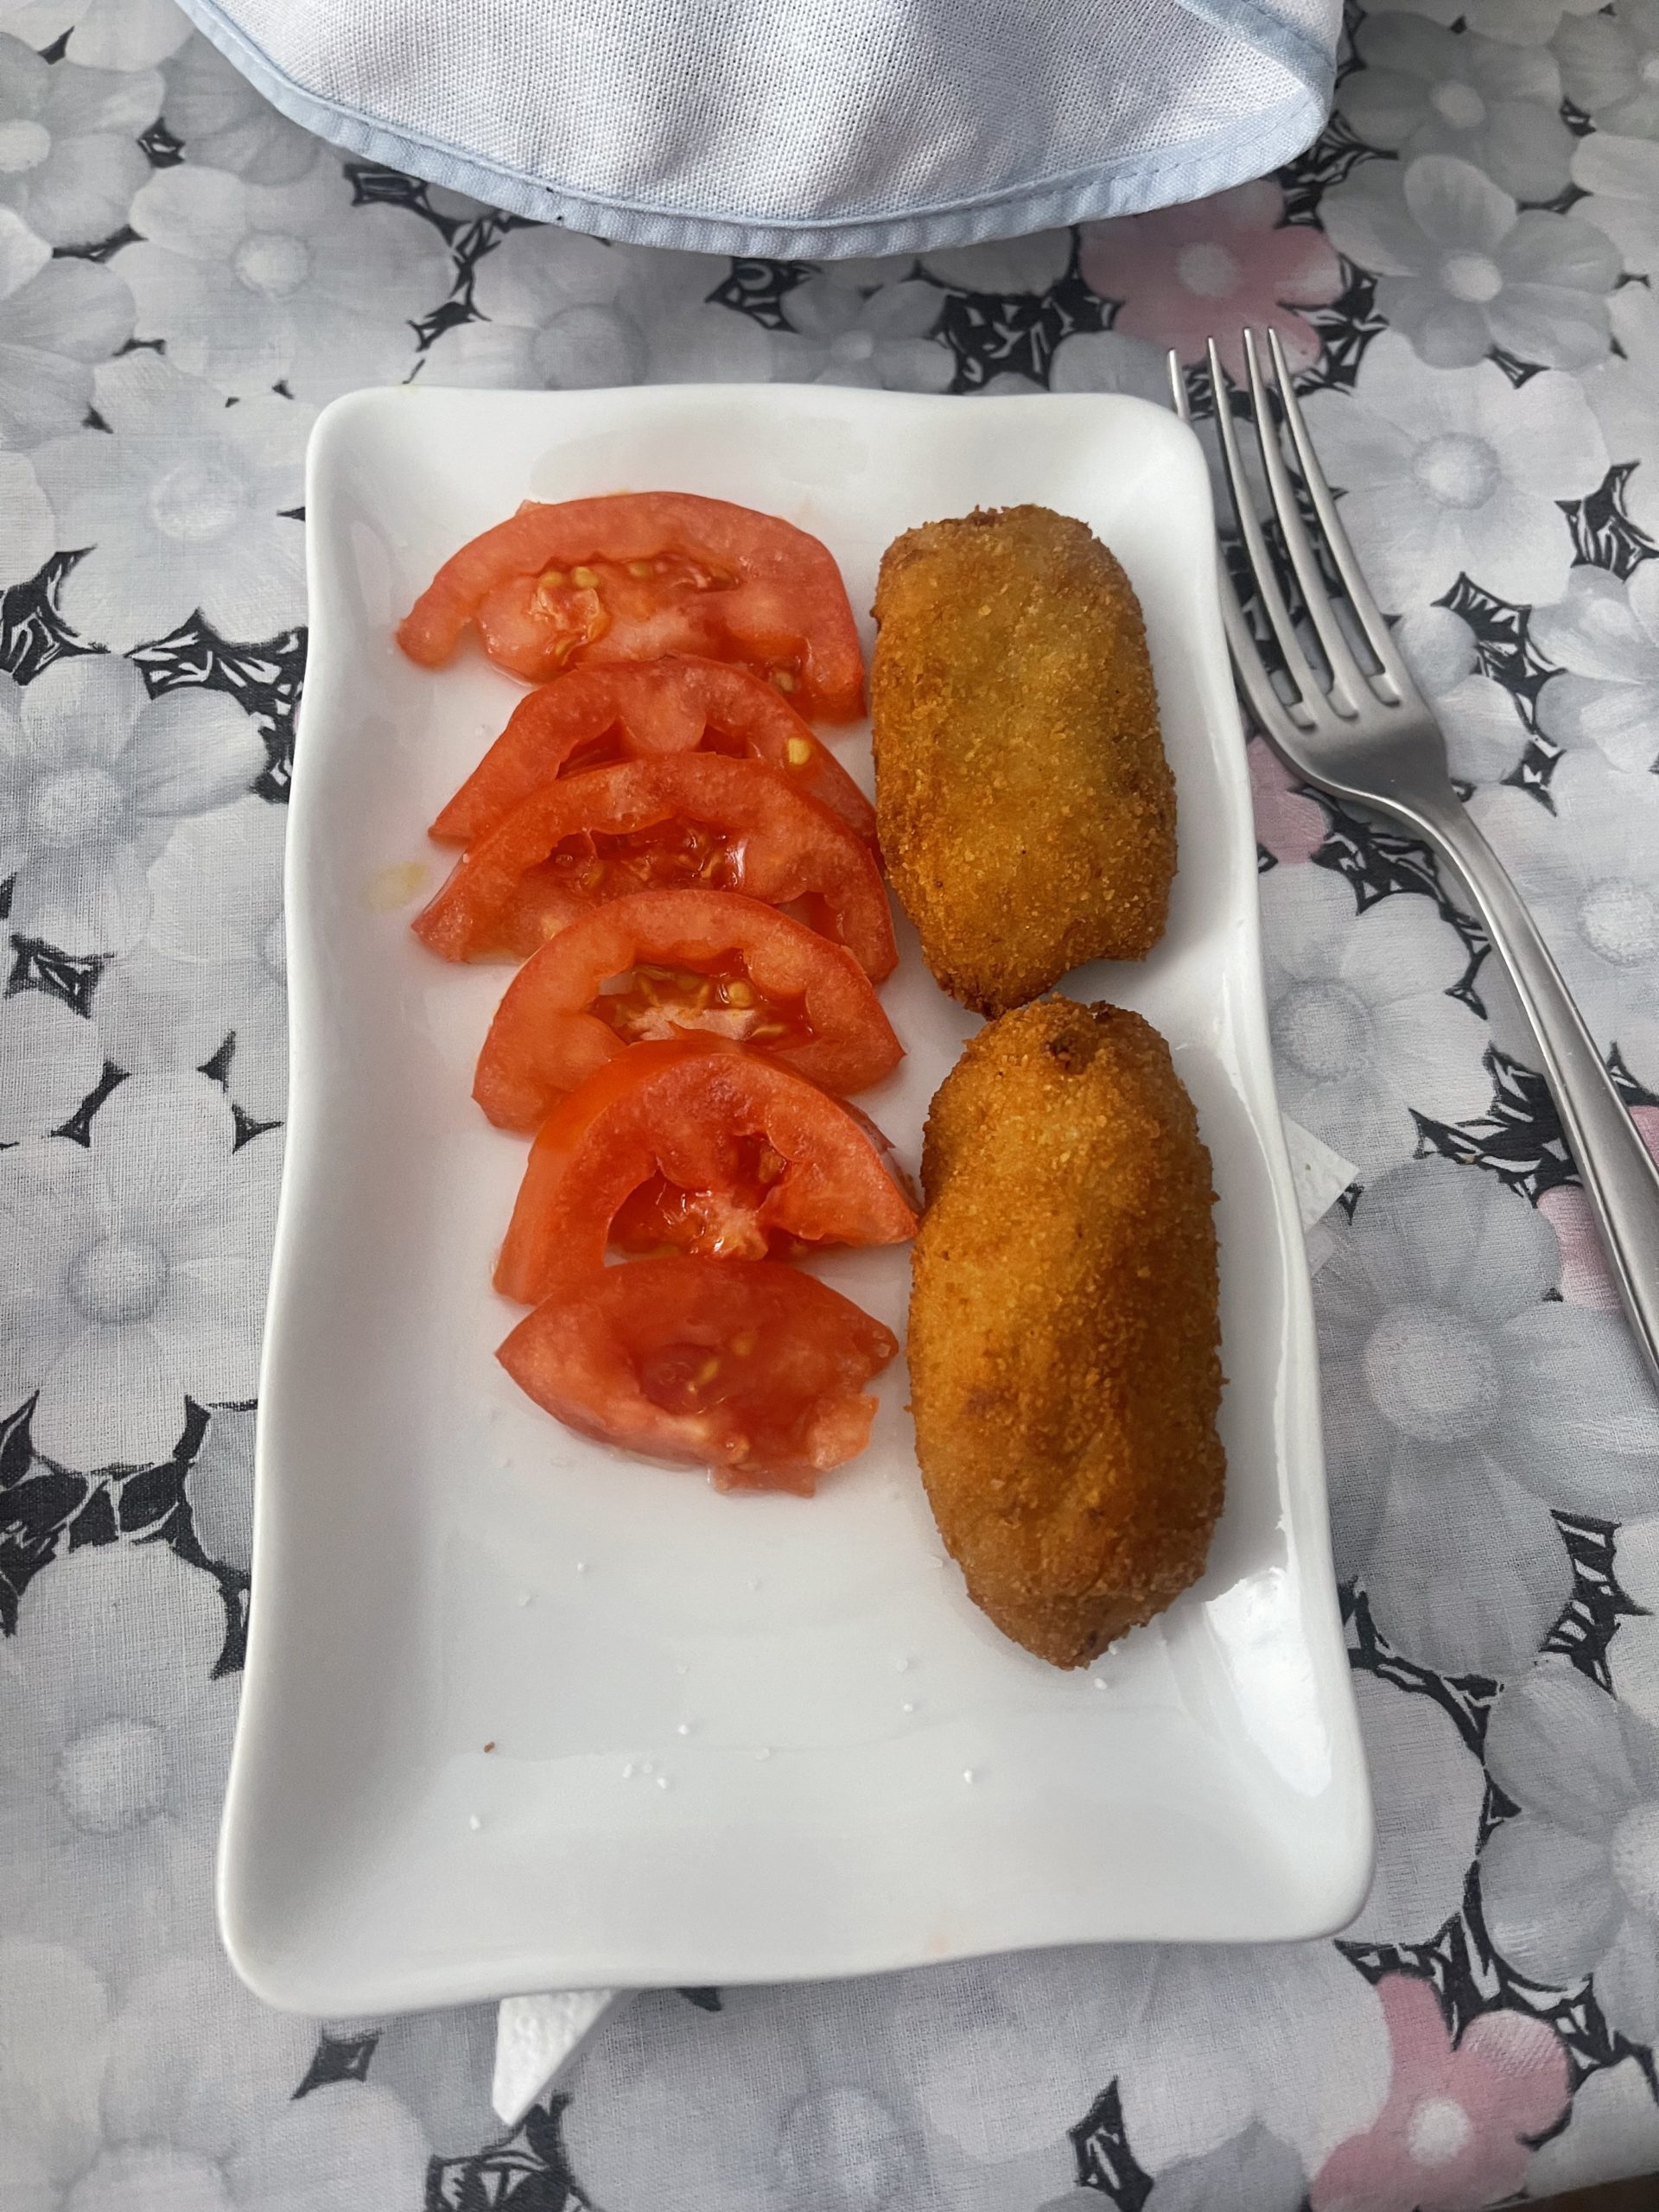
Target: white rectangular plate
x=736, y=1739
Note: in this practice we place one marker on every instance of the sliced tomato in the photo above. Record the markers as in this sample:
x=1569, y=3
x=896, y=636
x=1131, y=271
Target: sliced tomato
x=589, y=717
x=711, y=1152
x=751, y=1369
x=641, y=574
x=689, y=818
x=661, y=965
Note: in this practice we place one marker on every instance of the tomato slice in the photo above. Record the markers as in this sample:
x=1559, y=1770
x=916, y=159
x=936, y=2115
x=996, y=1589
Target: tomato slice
x=712, y=1152
x=688, y=818
x=663, y=965
x=749, y=1369
x=589, y=717
x=640, y=574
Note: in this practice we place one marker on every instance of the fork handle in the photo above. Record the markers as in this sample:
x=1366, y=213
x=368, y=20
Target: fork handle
x=1620, y=1178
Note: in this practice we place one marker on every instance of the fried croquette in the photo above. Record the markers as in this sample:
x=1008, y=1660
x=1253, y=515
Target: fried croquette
x=1064, y=1331
x=1026, y=810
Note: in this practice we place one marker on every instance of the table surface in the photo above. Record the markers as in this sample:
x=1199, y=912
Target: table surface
x=1459, y=268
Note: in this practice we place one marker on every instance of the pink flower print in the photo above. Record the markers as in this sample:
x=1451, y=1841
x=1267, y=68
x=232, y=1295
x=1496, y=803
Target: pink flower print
x=1451, y=2137
x=1289, y=825
x=1585, y=1278
x=1184, y=274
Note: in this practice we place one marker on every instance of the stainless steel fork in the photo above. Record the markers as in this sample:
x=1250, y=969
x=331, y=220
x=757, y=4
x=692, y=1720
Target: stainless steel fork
x=1366, y=735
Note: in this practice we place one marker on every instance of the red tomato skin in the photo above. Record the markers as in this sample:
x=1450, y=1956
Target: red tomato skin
x=780, y=846
x=684, y=1111
x=546, y=1039
x=799, y=1413
x=636, y=712
x=785, y=606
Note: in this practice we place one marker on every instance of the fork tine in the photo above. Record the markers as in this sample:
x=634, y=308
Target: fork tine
x=1310, y=688
x=1348, y=680
x=1265, y=705
x=1376, y=630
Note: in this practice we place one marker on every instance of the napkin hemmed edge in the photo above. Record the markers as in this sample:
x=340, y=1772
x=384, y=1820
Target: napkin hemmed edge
x=1130, y=186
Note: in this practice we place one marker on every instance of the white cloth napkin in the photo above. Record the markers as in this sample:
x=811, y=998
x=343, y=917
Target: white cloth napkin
x=828, y=128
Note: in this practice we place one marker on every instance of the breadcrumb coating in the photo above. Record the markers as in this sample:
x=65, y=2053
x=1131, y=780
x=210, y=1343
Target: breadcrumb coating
x=1063, y=1330
x=1026, y=810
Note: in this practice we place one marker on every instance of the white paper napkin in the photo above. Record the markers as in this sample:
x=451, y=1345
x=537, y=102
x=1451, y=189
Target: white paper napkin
x=534, y=2036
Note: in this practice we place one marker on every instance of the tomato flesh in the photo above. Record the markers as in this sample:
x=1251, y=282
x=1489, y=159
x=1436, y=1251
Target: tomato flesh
x=659, y=1004
x=725, y=1223
x=600, y=863
x=689, y=818
x=751, y=1369
x=658, y=965
x=591, y=716
x=636, y=575
x=711, y=1150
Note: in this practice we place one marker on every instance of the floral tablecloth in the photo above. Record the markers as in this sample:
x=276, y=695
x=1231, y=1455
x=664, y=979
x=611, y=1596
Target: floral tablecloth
x=1460, y=270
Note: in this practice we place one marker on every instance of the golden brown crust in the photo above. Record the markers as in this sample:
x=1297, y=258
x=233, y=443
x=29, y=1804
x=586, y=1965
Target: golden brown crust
x=1064, y=1372
x=1026, y=810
